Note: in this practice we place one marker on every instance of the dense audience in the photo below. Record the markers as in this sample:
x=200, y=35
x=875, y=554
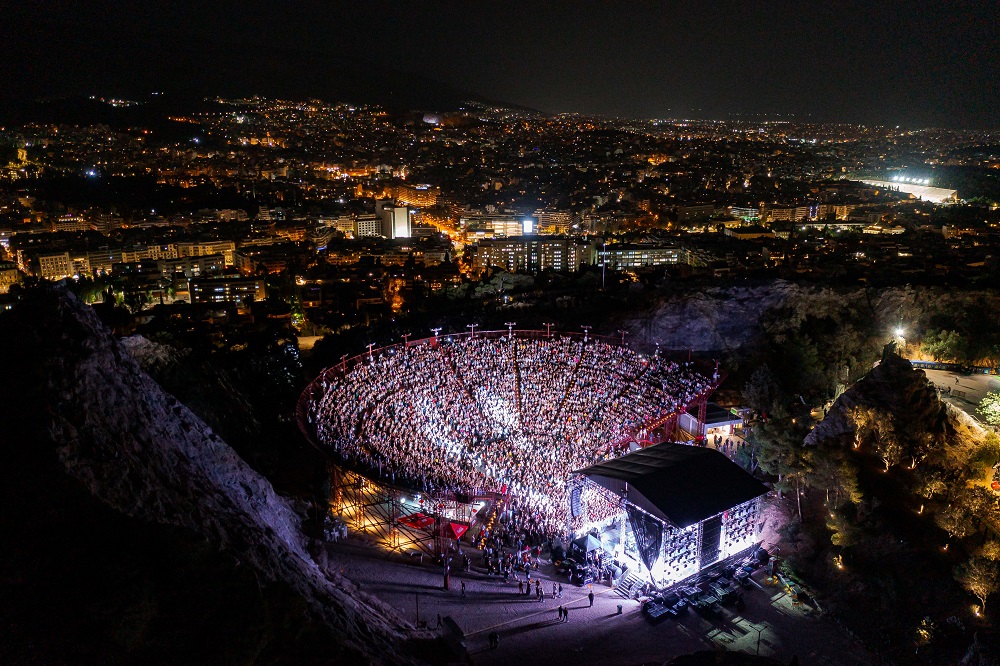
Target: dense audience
x=500, y=414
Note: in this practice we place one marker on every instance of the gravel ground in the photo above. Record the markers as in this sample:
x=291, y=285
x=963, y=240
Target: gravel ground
x=530, y=631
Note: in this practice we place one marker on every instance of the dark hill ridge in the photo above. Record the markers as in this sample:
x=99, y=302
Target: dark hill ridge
x=117, y=495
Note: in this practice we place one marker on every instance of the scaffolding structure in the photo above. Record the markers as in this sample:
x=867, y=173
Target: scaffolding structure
x=375, y=509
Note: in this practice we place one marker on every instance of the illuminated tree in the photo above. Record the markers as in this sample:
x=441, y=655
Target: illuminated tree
x=878, y=427
x=990, y=550
x=953, y=520
x=945, y=346
x=989, y=408
x=980, y=576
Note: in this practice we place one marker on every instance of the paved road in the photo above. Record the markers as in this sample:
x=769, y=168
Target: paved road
x=531, y=633
x=967, y=391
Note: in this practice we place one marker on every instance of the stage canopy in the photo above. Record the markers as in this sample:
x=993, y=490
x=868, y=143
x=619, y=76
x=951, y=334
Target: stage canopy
x=679, y=484
x=587, y=543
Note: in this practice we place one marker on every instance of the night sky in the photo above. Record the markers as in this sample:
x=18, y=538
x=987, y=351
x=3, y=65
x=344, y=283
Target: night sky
x=906, y=63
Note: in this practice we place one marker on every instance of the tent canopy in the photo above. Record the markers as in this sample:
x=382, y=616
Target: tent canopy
x=679, y=484
x=587, y=543
x=418, y=520
x=453, y=530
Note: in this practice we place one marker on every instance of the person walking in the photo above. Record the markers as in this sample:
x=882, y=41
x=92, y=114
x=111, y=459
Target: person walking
x=561, y=612
x=589, y=596
x=553, y=590
x=560, y=590
x=520, y=586
x=566, y=614
x=463, y=591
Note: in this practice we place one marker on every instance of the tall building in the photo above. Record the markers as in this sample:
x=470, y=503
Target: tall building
x=395, y=219
x=70, y=223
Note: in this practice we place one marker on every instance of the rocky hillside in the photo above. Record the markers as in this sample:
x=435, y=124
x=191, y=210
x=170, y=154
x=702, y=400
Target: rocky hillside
x=118, y=496
x=893, y=387
x=734, y=317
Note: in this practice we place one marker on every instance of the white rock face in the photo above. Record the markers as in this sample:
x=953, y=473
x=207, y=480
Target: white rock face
x=141, y=451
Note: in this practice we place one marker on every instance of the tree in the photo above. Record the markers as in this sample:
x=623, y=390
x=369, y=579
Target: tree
x=945, y=346
x=989, y=408
x=760, y=390
x=782, y=453
x=954, y=520
x=980, y=576
x=878, y=427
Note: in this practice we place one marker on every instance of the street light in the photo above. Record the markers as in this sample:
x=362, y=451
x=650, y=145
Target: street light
x=406, y=339
x=473, y=327
x=586, y=332
x=436, y=331
x=548, y=329
x=370, y=345
x=510, y=328
x=623, y=334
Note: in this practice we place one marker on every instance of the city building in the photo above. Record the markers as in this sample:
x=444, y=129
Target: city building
x=9, y=276
x=62, y=265
x=530, y=254
x=553, y=221
x=500, y=225
x=227, y=290
x=367, y=225
x=204, y=248
x=395, y=219
x=419, y=196
x=777, y=213
x=630, y=256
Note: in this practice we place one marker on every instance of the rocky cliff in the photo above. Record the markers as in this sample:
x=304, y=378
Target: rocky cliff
x=734, y=317
x=893, y=387
x=83, y=422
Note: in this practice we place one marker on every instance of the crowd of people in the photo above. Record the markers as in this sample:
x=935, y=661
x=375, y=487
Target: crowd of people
x=507, y=415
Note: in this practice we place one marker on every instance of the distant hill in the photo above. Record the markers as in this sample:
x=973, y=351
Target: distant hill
x=205, y=69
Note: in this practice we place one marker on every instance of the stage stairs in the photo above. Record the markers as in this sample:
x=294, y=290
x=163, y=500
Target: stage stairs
x=627, y=584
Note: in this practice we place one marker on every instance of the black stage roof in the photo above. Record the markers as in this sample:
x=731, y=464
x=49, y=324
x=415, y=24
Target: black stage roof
x=677, y=483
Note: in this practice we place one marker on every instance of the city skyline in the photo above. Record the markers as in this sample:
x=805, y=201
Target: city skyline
x=854, y=63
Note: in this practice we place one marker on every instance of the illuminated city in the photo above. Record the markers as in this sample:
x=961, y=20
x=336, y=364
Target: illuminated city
x=400, y=334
